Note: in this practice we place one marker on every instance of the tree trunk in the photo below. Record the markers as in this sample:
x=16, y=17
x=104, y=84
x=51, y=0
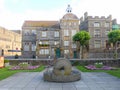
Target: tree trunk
x=80, y=52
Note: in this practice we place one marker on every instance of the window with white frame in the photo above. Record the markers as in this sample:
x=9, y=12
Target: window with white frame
x=56, y=34
x=74, y=45
x=96, y=24
x=26, y=32
x=33, y=32
x=75, y=23
x=56, y=42
x=33, y=46
x=66, y=43
x=107, y=31
x=66, y=51
x=45, y=42
x=97, y=43
x=65, y=23
x=44, y=51
x=97, y=33
x=107, y=24
x=73, y=32
x=41, y=51
x=44, y=33
x=26, y=46
x=40, y=42
x=69, y=23
x=66, y=32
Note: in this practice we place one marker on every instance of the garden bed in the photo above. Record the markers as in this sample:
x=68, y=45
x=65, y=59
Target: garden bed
x=93, y=67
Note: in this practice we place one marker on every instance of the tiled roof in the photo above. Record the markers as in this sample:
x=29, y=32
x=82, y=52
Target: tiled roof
x=40, y=23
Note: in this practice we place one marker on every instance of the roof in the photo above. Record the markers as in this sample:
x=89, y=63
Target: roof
x=70, y=16
x=40, y=23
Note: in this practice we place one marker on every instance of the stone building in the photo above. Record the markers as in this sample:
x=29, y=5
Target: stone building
x=9, y=42
x=47, y=39
x=69, y=25
x=115, y=25
x=39, y=38
x=98, y=27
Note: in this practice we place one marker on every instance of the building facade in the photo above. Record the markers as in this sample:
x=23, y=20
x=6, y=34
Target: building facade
x=98, y=27
x=49, y=39
x=9, y=42
x=115, y=25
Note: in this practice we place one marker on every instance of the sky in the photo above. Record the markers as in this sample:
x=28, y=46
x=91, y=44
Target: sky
x=13, y=13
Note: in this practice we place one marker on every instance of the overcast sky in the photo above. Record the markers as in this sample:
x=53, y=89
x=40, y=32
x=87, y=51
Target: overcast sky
x=14, y=12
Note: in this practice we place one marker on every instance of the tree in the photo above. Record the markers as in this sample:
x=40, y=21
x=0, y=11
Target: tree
x=82, y=39
x=114, y=36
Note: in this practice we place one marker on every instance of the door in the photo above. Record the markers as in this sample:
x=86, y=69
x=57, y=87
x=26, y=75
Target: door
x=58, y=53
x=75, y=54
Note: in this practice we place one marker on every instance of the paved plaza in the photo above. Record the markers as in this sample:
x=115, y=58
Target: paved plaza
x=34, y=81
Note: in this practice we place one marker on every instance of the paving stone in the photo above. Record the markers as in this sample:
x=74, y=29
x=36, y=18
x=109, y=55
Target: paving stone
x=34, y=81
x=83, y=88
x=69, y=88
x=56, y=88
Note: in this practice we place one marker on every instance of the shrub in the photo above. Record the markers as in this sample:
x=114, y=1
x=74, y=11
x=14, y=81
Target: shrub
x=24, y=65
x=6, y=61
x=99, y=65
x=16, y=56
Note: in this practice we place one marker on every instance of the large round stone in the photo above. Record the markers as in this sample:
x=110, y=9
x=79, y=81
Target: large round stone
x=62, y=67
x=62, y=72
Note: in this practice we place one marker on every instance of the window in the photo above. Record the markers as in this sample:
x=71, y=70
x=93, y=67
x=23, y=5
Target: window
x=75, y=23
x=56, y=34
x=66, y=32
x=33, y=32
x=44, y=34
x=65, y=24
x=40, y=42
x=45, y=42
x=69, y=23
x=96, y=24
x=73, y=32
x=97, y=43
x=26, y=32
x=26, y=47
x=44, y=51
x=66, y=43
x=66, y=51
x=107, y=31
x=74, y=45
x=97, y=33
x=41, y=51
x=107, y=24
x=56, y=42
x=33, y=46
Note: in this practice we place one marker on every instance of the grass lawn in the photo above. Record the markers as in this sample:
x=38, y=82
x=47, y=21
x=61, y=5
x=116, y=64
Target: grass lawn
x=5, y=72
x=112, y=72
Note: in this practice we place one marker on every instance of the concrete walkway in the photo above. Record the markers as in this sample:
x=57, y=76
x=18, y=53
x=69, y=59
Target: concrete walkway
x=34, y=81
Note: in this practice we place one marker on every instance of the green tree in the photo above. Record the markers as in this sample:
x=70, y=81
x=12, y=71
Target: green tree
x=114, y=36
x=82, y=39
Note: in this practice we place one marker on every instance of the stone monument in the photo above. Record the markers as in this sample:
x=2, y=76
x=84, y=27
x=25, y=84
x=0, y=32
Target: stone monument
x=62, y=72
